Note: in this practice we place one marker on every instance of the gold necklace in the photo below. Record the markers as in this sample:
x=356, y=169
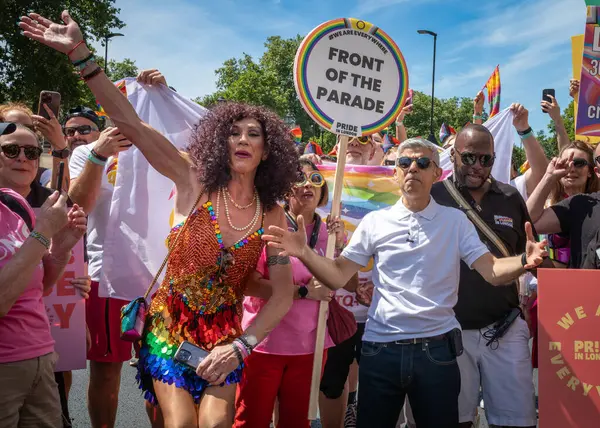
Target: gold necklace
x=239, y=229
x=240, y=207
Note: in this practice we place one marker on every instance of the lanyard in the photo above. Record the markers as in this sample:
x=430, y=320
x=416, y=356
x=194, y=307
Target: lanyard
x=314, y=237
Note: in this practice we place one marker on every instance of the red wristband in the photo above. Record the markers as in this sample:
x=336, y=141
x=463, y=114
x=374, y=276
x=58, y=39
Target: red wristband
x=76, y=46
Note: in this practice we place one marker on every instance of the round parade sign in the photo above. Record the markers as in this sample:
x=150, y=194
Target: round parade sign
x=351, y=77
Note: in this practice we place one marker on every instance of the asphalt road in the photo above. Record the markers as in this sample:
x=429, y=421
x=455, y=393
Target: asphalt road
x=131, y=412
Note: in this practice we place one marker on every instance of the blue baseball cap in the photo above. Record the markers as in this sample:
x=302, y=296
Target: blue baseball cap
x=7, y=128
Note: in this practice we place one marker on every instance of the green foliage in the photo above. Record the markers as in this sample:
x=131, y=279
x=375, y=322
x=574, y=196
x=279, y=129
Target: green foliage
x=27, y=67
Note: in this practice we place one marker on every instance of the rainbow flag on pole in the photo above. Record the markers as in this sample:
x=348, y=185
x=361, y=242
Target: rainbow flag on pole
x=493, y=90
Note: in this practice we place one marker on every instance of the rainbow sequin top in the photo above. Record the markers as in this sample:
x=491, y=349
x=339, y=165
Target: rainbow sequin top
x=200, y=300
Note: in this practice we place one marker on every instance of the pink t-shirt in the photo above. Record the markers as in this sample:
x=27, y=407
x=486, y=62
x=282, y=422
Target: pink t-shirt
x=297, y=331
x=25, y=330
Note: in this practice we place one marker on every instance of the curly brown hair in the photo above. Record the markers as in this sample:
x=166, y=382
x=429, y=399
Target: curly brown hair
x=208, y=151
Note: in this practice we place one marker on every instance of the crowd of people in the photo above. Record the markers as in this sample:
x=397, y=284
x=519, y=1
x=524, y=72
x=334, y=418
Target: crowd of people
x=453, y=260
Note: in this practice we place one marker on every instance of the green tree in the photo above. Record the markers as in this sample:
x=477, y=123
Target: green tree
x=118, y=70
x=27, y=67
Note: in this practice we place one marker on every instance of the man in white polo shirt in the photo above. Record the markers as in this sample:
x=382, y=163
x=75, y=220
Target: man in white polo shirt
x=411, y=337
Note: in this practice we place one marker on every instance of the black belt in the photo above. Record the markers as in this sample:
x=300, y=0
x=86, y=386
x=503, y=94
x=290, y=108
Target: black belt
x=420, y=340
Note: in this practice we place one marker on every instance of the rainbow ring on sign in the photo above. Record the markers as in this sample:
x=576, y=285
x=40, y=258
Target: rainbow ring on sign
x=301, y=68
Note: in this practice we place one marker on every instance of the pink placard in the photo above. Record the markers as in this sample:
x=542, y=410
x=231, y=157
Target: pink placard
x=66, y=312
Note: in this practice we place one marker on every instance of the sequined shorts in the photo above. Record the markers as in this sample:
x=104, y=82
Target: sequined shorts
x=156, y=363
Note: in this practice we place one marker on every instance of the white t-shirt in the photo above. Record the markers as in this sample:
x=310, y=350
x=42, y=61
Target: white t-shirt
x=520, y=184
x=98, y=218
x=416, y=268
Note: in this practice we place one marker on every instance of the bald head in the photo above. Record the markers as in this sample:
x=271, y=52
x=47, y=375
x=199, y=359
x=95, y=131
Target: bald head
x=477, y=137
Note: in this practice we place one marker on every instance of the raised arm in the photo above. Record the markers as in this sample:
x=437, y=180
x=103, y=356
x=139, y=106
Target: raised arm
x=553, y=110
x=533, y=149
x=52, y=132
x=401, y=133
x=334, y=274
x=162, y=155
x=545, y=220
x=478, y=108
x=501, y=271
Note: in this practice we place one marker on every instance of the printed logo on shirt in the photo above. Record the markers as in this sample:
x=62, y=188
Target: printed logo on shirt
x=502, y=220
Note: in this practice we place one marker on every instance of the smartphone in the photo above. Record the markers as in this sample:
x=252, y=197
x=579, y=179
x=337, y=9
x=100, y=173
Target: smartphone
x=61, y=176
x=547, y=92
x=190, y=355
x=52, y=100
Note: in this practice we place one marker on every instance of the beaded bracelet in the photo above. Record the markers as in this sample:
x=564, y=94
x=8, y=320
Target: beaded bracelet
x=245, y=351
x=95, y=160
x=41, y=239
x=87, y=62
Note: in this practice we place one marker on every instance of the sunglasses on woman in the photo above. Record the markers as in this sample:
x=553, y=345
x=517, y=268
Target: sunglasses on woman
x=580, y=163
x=470, y=159
x=405, y=162
x=82, y=130
x=12, y=151
x=389, y=162
x=314, y=179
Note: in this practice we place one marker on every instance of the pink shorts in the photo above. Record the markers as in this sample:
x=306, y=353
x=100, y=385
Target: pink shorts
x=104, y=322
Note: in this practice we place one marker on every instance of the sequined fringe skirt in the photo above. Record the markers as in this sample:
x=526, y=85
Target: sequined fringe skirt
x=166, y=330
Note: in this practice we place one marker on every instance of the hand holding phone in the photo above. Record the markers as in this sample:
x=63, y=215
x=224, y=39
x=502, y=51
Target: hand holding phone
x=190, y=355
x=52, y=100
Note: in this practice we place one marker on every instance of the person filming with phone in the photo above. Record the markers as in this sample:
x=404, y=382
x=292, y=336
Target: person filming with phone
x=412, y=338
x=33, y=254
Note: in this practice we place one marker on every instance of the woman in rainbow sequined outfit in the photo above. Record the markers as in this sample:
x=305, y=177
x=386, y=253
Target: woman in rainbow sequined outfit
x=580, y=179
x=240, y=162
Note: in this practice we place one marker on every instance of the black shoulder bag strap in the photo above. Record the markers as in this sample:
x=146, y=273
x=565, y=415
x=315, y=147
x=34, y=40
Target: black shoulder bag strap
x=15, y=206
x=314, y=236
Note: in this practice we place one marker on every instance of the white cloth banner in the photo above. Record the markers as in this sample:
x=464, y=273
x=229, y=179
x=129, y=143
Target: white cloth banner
x=142, y=201
x=502, y=129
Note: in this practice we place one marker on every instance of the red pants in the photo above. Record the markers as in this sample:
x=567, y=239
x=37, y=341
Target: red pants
x=266, y=377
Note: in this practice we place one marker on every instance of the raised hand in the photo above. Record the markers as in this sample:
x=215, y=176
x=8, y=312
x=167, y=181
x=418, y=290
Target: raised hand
x=151, y=77
x=559, y=167
x=69, y=235
x=111, y=142
x=520, y=117
x=553, y=109
x=478, y=103
x=534, y=251
x=405, y=110
x=51, y=129
x=62, y=38
x=573, y=88
x=292, y=243
x=53, y=215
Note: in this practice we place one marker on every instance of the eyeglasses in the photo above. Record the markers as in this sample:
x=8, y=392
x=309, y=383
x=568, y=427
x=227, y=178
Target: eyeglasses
x=12, y=151
x=405, y=162
x=82, y=130
x=580, y=162
x=314, y=179
x=362, y=139
x=389, y=162
x=597, y=159
x=469, y=159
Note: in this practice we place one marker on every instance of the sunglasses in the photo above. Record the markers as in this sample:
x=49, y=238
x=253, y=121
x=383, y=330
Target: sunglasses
x=405, y=162
x=82, y=130
x=12, y=151
x=314, y=179
x=470, y=159
x=580, y=163
x=389, y=162
x=362, y=139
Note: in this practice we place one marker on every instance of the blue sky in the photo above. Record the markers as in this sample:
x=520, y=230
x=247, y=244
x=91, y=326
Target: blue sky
x=187, y=40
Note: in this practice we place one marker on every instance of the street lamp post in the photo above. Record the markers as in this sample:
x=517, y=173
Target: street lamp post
x=431, y=131
x=107, y=37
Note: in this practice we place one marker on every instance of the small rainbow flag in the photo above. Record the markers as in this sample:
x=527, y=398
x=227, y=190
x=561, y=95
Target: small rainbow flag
x=312, y=147
x=297, y=134
x=493, y=90
x=523, y=168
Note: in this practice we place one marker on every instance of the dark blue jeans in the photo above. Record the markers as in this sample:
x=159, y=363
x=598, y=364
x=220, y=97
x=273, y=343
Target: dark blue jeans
x=427, y=372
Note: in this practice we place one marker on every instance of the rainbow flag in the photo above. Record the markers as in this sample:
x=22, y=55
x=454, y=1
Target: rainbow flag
x=366, y=189
x=297, y=134
x=121, y=84
x=523, y=168
x=493, y=90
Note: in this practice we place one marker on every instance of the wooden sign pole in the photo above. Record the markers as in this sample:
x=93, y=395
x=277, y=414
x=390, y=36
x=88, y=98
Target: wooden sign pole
x=323, y=306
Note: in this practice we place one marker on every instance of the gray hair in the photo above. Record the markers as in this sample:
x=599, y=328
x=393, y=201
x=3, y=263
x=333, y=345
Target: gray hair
x=421, y=143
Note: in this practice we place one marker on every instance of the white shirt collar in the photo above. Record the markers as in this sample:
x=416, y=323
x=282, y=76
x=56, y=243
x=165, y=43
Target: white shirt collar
x=428, y=213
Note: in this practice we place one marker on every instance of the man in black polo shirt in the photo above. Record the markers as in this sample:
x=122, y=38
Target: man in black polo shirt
x=502, y=369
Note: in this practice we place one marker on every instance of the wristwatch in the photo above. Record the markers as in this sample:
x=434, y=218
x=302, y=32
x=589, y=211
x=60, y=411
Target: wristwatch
x=249, y=340
x=303, y=291
x=61, y=154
